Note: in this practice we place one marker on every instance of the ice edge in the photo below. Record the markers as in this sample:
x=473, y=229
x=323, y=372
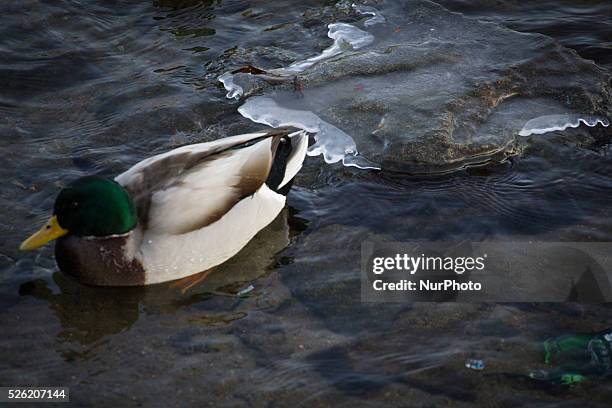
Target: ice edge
x=552, y=123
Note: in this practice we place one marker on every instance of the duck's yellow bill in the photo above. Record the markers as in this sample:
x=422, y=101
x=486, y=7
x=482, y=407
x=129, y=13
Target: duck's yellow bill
x=50, y=231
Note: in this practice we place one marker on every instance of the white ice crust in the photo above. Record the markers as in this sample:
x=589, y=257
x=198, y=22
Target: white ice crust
x=331, y=142
x=234, y=91
x=551, y=123
x=345, y=36
x=376, y=18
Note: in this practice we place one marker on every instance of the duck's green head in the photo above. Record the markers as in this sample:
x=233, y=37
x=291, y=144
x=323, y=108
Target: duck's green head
x=89, y=206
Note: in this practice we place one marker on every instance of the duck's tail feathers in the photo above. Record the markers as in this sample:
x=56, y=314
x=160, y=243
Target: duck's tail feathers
x=299, y=145
x=288, y=159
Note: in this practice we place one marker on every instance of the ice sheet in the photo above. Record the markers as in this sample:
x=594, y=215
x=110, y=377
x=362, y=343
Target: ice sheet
x=376, y=18
x=331, y=142
x=234, y=91
x=345, y=36
x=551, y=123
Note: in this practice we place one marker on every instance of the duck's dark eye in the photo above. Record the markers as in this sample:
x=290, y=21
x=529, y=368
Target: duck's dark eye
x=74, y=204
x=48, y=227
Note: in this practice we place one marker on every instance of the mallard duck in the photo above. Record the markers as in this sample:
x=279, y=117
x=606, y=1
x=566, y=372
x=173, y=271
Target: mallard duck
x=175, y=214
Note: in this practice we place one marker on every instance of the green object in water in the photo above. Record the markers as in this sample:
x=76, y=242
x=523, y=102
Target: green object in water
x=557, y=376
x=553, y=347
x=572, y=378
x=597, y=347
x=577, y=356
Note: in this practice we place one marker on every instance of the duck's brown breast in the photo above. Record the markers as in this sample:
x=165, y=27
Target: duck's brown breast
x=99, y=261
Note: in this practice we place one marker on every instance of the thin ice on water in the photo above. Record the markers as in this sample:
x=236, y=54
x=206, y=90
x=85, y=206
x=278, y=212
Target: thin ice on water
x=551, y=123
x=346, y=37
x=334, y=144
x=376, y=18
x=331, y=142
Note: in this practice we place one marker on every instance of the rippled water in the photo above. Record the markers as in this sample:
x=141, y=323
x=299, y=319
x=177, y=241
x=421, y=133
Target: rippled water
x=95, y=87
x=583, y=25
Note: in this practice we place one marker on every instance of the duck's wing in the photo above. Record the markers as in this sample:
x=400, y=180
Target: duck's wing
x=191, y=187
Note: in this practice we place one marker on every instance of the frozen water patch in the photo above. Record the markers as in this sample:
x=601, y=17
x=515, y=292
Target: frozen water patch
x=551, y=123
x=331, y=142
x=376, y=18
x=488, y=91
x=345, y=37
x=234, y=91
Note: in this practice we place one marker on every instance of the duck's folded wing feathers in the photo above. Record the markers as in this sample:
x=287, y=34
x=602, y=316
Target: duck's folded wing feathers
x=191, y=187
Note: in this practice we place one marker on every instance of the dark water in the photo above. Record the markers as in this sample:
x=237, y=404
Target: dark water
x=585, y=26
x=95, y=87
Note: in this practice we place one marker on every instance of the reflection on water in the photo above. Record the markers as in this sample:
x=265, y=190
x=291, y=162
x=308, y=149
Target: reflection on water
x=87, y=313
x=95, y=87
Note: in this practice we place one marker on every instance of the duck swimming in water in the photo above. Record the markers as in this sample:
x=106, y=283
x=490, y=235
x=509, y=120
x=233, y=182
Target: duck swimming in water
x=175, y=214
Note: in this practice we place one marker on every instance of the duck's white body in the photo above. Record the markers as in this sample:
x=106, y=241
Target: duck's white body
x=167, y=257
x=197, y=207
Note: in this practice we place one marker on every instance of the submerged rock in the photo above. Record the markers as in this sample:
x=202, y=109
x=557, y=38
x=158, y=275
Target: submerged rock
x=434, y=89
